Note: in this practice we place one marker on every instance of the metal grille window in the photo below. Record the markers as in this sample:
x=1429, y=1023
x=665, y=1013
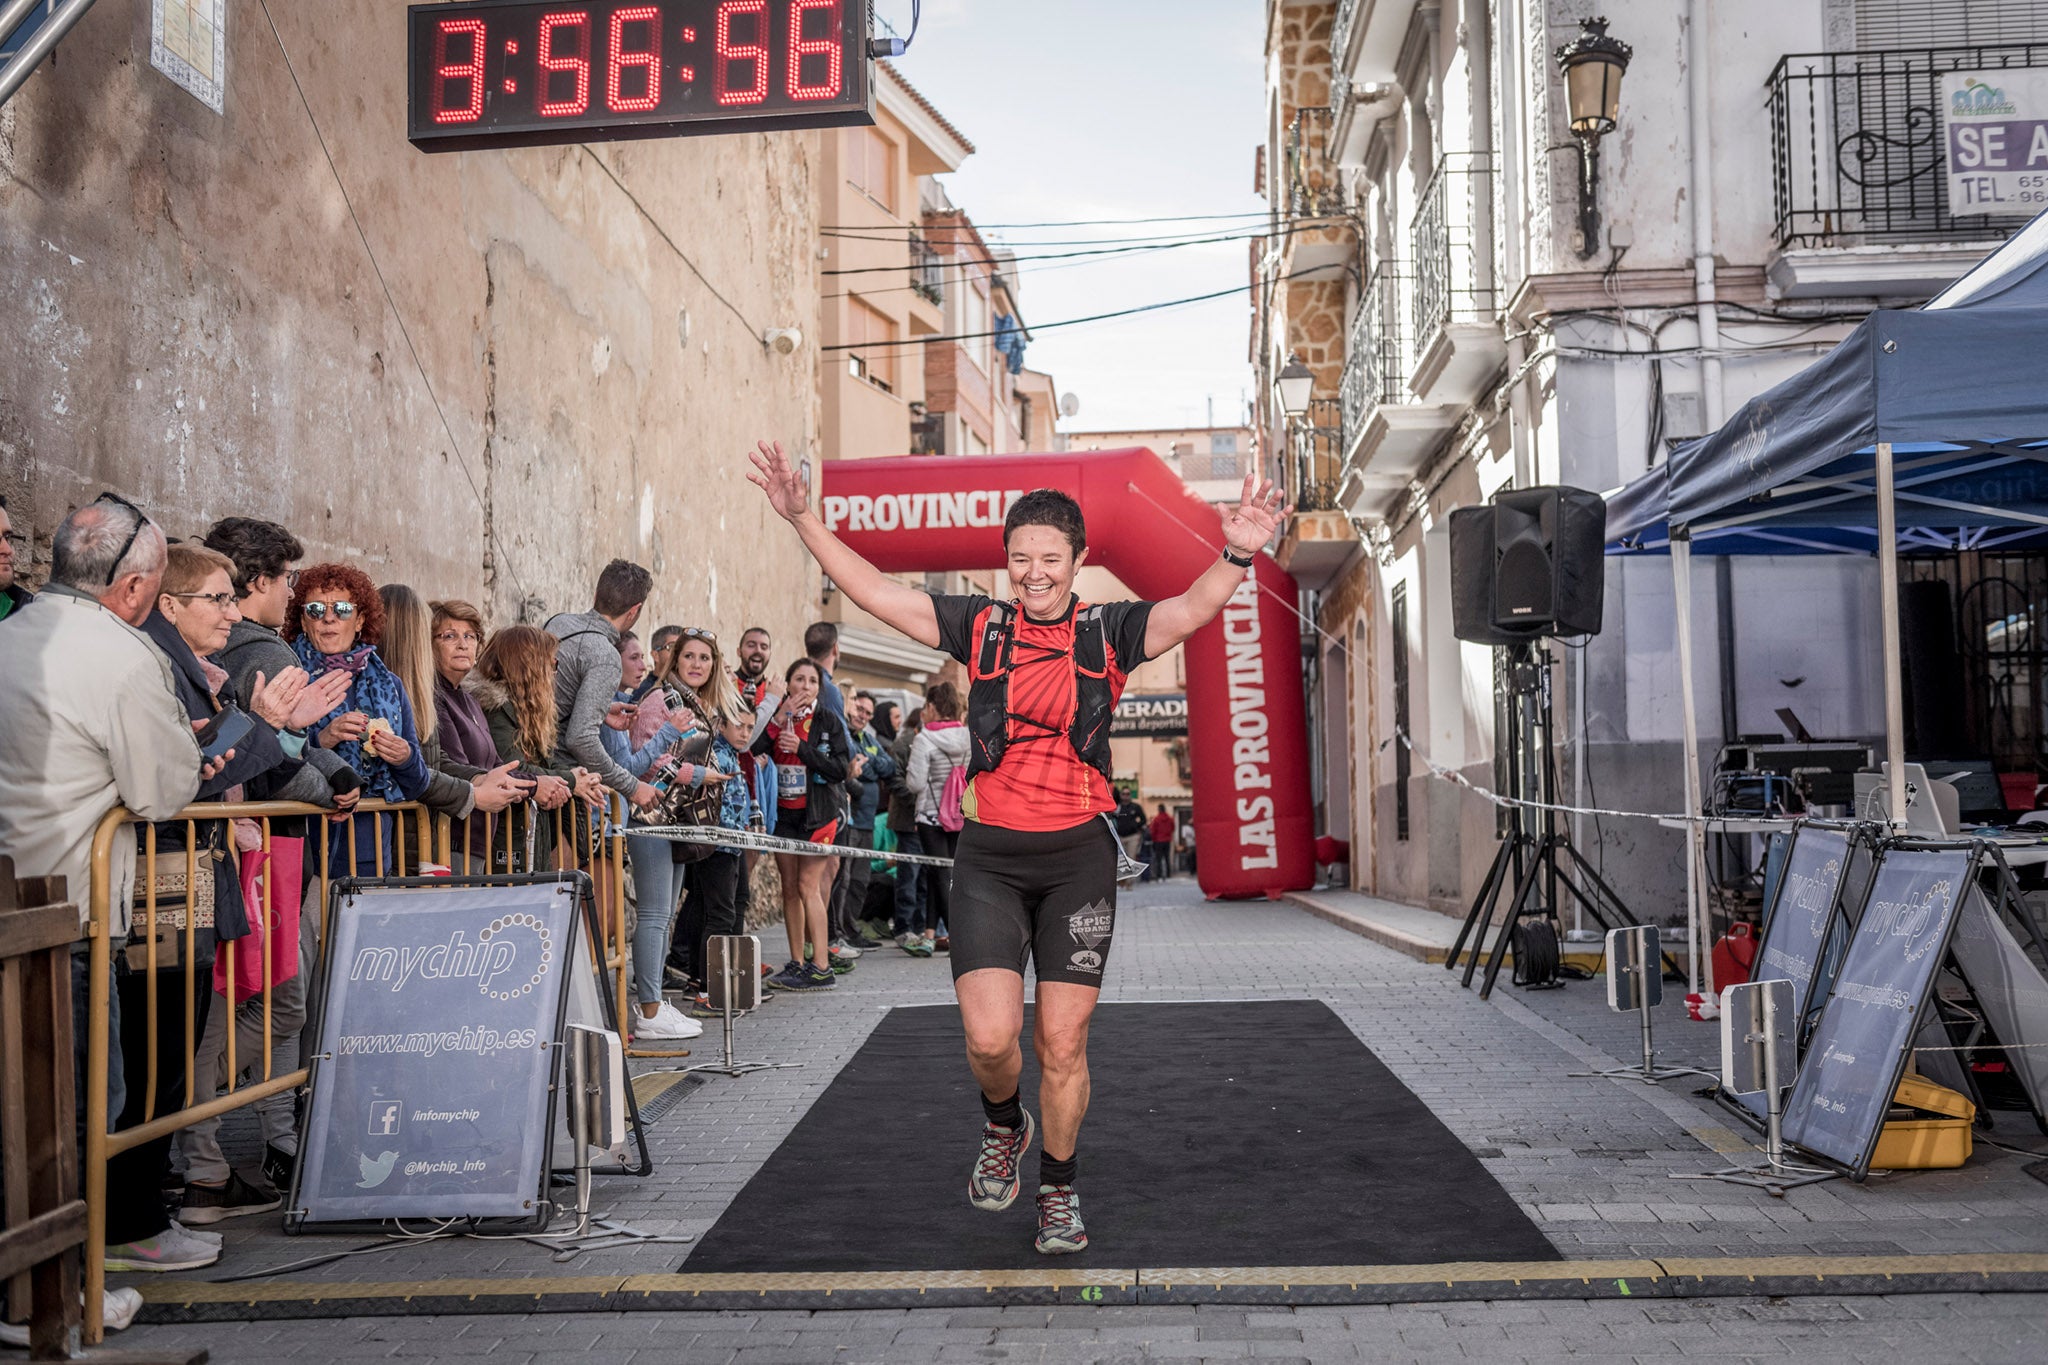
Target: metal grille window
x=1449, y=252
x=1397, y=617
x=1376, y=358
x=1921, y=23
x=1997, y=603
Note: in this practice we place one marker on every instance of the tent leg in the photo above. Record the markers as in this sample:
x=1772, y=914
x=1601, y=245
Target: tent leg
x=1695, y=832
x=1888, y=613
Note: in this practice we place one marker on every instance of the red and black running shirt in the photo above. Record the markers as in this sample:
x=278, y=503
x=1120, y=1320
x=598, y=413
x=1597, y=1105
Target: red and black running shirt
x=1042, y=784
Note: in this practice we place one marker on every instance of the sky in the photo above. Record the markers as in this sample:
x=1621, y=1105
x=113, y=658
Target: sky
x=1113, y=109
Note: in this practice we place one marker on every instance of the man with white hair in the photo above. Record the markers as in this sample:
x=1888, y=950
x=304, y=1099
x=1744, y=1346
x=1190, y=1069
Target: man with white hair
x=89, y=721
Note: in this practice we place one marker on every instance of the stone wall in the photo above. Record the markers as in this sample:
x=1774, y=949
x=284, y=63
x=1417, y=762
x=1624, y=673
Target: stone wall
x=194, y=320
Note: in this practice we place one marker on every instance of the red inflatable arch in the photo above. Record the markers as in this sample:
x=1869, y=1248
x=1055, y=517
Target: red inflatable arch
x=1247, y=734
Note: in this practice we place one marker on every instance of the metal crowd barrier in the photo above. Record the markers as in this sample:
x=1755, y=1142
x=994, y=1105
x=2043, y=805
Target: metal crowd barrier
x=421, y=841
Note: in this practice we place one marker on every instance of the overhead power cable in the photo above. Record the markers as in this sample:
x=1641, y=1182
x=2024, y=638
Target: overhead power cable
x=1221, y=232
x=1069, y=322
x=1070, y=222
x=1002, y=262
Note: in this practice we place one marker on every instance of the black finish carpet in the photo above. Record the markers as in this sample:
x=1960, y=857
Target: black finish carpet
x=1245, y=1134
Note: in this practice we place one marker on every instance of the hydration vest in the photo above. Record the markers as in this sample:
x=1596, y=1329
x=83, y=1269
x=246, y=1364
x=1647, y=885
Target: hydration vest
x=988, y=690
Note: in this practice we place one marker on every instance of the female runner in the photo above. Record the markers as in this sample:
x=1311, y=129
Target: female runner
x=1035, y=872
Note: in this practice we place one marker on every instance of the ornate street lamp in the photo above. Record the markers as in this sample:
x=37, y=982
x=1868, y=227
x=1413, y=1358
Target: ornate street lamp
x=1297, y=383
x=1592, y=64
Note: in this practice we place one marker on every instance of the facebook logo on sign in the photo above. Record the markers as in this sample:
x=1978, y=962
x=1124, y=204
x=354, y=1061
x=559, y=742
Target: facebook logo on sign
x=384, y=1117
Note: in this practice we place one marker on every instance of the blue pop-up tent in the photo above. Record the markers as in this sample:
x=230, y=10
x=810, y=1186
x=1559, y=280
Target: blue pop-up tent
x=1927, y=427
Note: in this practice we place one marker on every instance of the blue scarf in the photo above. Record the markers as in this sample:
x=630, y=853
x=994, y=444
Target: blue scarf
x=375, y=692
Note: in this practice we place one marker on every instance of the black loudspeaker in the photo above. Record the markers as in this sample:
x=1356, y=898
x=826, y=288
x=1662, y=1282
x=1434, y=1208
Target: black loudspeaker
x=1528, y=565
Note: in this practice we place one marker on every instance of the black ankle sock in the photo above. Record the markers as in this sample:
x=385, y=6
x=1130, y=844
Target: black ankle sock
x=1051, y=1172
x=1007, y=1113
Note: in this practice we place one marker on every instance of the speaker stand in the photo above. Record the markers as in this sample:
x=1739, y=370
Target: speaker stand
x=1536, y=856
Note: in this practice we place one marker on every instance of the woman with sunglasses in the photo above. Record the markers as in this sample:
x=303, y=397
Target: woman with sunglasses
x=336, y=622
x=812, y=759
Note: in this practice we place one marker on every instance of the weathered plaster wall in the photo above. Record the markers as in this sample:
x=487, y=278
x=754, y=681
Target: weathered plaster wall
x=191, y=318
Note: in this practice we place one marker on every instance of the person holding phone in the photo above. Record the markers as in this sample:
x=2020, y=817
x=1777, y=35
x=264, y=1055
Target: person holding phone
x=335, y=623
x=654, y=869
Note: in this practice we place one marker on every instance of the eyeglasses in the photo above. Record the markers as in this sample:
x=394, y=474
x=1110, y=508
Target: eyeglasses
x=291, y=580
x=699, y=633
x=317, y=611
x=458, y=637
x=223, y=600
x=16, y=539
x=141, y=520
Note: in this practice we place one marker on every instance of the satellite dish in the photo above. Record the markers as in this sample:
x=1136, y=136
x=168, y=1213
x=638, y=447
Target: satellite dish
x=1070, y=405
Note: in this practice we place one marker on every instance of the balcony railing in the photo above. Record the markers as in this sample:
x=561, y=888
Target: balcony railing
x=927, y=270
x=1314, y=188
x=1376, y=358
x=1315, y=456
x=1340, y=40
x=1452, y=244
x=1856, y=145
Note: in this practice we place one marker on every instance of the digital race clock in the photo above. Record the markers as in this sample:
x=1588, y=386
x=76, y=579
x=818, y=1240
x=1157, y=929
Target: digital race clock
x=510, y=73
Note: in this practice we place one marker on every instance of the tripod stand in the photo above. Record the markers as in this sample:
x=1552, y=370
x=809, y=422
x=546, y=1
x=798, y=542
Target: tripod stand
x=1536, y=857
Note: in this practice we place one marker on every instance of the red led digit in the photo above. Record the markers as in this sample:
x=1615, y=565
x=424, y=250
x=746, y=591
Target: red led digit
x=648, y=61
x=471, y=71
x=827, y=47
x=552, y=65
x=731, y=54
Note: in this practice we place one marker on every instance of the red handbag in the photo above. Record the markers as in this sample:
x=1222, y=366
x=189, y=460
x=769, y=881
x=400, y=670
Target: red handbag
x=280, y=867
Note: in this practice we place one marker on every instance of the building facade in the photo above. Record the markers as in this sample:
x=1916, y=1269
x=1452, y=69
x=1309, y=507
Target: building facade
x=1482, y=305
x=483, y=374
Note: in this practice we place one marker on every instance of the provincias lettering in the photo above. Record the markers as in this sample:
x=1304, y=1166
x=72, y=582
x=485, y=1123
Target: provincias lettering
x=919, y=511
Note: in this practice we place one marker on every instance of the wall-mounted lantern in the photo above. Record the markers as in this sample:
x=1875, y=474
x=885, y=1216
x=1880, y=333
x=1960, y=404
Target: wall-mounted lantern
x=1592, y=64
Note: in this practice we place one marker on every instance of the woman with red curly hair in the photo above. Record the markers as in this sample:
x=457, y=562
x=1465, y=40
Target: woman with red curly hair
x=335, y=622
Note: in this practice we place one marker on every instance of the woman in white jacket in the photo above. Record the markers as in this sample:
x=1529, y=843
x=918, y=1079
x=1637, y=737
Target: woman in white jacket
x=940, y=747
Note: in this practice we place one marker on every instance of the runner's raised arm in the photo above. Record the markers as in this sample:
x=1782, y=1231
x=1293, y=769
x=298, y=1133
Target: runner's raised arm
x=1246, y=529
x=905, y=608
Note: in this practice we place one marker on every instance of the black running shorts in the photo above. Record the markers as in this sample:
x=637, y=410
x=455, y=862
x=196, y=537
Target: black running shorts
x=1045, y=895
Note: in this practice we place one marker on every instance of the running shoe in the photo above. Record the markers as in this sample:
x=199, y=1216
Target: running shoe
x=172, y=1249
x=279, y=1166
x=841, y=946
x=870, y=936
x=810, y=978
x=118, y=1308
x=1059, y=1221
x=943, y=944
x=790, y=978
x=993, y=1183
x=205, y=1204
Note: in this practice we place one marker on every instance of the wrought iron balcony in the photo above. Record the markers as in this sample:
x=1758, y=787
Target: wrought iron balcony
x=1340, y=43
x=1314, y=188
x=1452, y=247
x=927, y=270
x=1376, y=355
x=1315, y=456
x=1856, y=145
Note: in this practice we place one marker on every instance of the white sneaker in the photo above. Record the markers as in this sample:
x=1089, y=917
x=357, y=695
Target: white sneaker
x=118, y=1308
x=668, y=1022
x=171, y=1249
x=206, y=1235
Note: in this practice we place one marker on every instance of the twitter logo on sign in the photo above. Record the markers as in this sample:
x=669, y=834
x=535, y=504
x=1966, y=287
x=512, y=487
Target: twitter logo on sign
x=375, y=1172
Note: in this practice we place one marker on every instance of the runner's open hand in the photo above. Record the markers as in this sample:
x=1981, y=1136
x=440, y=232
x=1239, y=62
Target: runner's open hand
x=1259, y=511
x=775, y=475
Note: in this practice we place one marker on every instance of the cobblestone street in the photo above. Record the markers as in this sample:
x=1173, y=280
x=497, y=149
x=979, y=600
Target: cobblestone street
x=1587, y=1159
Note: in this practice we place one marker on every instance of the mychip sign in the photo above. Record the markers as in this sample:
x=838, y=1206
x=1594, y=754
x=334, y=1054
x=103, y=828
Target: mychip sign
x=437, y=1053
x=1995, y=136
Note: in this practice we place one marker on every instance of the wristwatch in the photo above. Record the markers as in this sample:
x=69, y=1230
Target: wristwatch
x=1230, y=557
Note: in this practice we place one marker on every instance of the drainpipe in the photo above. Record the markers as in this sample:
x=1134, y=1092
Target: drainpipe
x=1699, y=107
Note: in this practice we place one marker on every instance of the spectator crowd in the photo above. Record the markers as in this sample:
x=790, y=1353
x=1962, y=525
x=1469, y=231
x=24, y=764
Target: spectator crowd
x=158, y=675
